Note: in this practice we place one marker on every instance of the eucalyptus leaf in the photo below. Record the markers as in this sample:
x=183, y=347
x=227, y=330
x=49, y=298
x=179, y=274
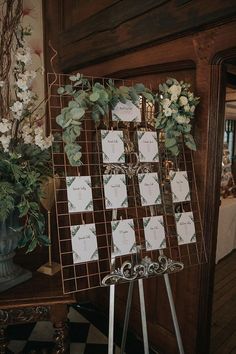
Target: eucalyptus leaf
x=170, y=142
x=60, y=90
x=94, y=96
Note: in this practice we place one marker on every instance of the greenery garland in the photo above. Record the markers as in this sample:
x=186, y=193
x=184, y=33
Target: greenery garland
x=176, y=109
x=97, y=98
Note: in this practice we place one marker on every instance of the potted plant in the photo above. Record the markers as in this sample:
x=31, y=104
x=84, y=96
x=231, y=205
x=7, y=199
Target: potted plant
x=24, y=150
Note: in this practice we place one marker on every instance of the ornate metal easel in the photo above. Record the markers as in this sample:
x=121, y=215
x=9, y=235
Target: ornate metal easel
x=145, y=263
x=143, y=270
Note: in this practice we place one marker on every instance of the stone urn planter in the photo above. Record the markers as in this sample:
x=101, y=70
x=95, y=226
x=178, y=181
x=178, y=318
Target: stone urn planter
x=11, y=274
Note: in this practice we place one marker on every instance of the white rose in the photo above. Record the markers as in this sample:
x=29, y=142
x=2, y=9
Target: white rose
x=175, y=89
x=174, y=97
x=190, y=96
x=180, y=119
x=167, y=112
x=187, y=108
x=166, y=103
x=183, y=101
x=192, y=109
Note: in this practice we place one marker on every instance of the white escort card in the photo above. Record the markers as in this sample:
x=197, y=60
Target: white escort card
x=84, y=243
x=185, y=228
x=126, y=112
x=154, y=232
x=113, y=150
x=148, y=146
x=115, y=191
x=179, y=186
x=149, y=188
x=123, y=236
x=79, y=193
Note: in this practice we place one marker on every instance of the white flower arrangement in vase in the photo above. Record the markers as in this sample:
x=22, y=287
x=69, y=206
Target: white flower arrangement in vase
x=176, y=110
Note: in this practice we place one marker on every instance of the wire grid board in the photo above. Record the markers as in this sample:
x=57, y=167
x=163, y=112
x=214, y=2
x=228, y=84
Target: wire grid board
x=80, y=276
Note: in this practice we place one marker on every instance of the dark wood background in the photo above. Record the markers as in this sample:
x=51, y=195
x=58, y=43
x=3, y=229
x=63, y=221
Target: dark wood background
x=149, y=41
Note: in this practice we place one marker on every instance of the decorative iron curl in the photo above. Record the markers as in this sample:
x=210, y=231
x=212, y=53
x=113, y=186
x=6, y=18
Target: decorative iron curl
x=147, y=268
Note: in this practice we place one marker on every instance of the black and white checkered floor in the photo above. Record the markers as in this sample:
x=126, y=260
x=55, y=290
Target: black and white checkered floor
x=87, y=331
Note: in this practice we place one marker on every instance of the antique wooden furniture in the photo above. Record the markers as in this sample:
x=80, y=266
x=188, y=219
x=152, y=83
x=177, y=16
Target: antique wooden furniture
x=40, y=298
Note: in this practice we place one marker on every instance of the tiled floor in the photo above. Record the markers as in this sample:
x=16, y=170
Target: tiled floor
x=87, y=330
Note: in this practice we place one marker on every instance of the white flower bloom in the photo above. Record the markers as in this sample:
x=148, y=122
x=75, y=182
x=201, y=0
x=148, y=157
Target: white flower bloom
x=183, y=101
x=24, y=96
x=175, y=89
x=5, y=126
x=28, y=75
x=190, y=96
x=23, y=55
x=167, y=112
x=2, y=83
x=17, y=107
x=187, y=108
x=5, y=140
x=40, y=139
x=181, y=119
x=192, y=109
x=27, y=138
x=166, y=103
x=174, y=97
x=22, y=84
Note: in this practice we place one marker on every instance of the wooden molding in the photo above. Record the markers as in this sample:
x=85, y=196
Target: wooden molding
x=153, y=69
x=114, y=32
x=213, y=173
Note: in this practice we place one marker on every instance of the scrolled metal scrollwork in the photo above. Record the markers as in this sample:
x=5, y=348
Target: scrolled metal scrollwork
x=130, y=169
x=146, y=268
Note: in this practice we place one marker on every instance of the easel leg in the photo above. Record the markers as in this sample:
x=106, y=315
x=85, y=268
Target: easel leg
x=143, y=316
x=111, y=320
x=173, y=313
x=127, y=313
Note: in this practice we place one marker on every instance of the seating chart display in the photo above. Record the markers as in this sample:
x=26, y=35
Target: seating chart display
x=128, y=198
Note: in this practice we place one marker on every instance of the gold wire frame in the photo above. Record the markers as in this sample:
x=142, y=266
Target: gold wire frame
x=88, y=275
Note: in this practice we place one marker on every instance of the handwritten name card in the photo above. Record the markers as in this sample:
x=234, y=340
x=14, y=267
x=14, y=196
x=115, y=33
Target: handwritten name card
x=185, y=228
x=154, y=232
x=123, y=236
x=149, y=189
x=113, y=150
x=179, y=186
x=79, y=193
x=84, y=243
x=115, y=191
x=126, y=112
x=148, y=146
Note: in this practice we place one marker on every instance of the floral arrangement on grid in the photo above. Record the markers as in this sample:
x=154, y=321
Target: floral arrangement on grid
x=24, y=148
x=176, y=111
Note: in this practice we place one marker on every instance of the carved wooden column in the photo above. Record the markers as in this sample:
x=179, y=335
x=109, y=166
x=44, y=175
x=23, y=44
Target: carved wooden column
x=3, y=340
x=58, y=316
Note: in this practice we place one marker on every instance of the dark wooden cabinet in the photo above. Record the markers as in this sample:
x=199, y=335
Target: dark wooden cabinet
x=39, y=298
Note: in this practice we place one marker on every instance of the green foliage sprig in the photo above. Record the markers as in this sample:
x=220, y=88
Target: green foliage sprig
x=21, y=176
x=176, y=110
x=98, y=99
